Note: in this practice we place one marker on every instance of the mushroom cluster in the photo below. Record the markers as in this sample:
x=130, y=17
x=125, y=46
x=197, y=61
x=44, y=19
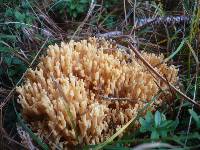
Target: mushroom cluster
x=82, y=92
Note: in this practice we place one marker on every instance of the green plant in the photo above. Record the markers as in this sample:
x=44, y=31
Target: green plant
x=15, y=68
x=109, y=3
x=17, y=20
x=74, y=8
x=110, y=21
x=20, y=14
x=158, y=125
x=195, y=117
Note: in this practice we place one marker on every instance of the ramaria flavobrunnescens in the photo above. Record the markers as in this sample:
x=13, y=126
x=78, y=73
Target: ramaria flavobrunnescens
x=64, y=98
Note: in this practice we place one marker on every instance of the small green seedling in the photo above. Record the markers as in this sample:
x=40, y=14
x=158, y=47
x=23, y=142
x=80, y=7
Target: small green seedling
x=158, y=125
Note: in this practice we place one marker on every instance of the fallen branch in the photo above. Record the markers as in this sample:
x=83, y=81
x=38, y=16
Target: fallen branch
x=109, y=34
x=163, y=20
x=144, y=22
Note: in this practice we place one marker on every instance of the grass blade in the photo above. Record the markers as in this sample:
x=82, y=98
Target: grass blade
x=176, y=51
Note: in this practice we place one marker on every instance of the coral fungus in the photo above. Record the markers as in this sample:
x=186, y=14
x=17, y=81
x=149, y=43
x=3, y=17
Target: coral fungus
x=64, y=98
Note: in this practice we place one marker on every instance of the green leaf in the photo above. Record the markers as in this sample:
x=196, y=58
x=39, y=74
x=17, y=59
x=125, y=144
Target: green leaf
x=157, y=118
x=72, y=6
x=195, y=117
x=8, y=60
x=144, y=125
x=5, y=49
x=9, y=12
x=154, y=135
x=8, y=37
x=142, y=121
x=149, y=117
x=29, y=20
x=15, y=71
x=165, y=123
x=173, y=124
x=19, y=16
x=16, y=61
x=80, y=8
x=163, y=133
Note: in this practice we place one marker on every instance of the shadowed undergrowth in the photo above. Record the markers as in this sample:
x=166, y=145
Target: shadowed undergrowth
x=27, y=27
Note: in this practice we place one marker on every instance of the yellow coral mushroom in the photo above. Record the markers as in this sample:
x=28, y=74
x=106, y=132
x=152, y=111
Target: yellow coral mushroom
x=64, y=97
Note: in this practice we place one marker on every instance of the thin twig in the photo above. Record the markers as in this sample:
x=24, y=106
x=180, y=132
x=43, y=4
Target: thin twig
x=118, y=99
x=137, y=53
x=109, y=34
x=92, y=5
x=125, y=12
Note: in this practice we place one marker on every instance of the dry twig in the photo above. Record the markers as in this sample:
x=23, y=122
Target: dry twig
x=92, y=5
x=137, y=53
